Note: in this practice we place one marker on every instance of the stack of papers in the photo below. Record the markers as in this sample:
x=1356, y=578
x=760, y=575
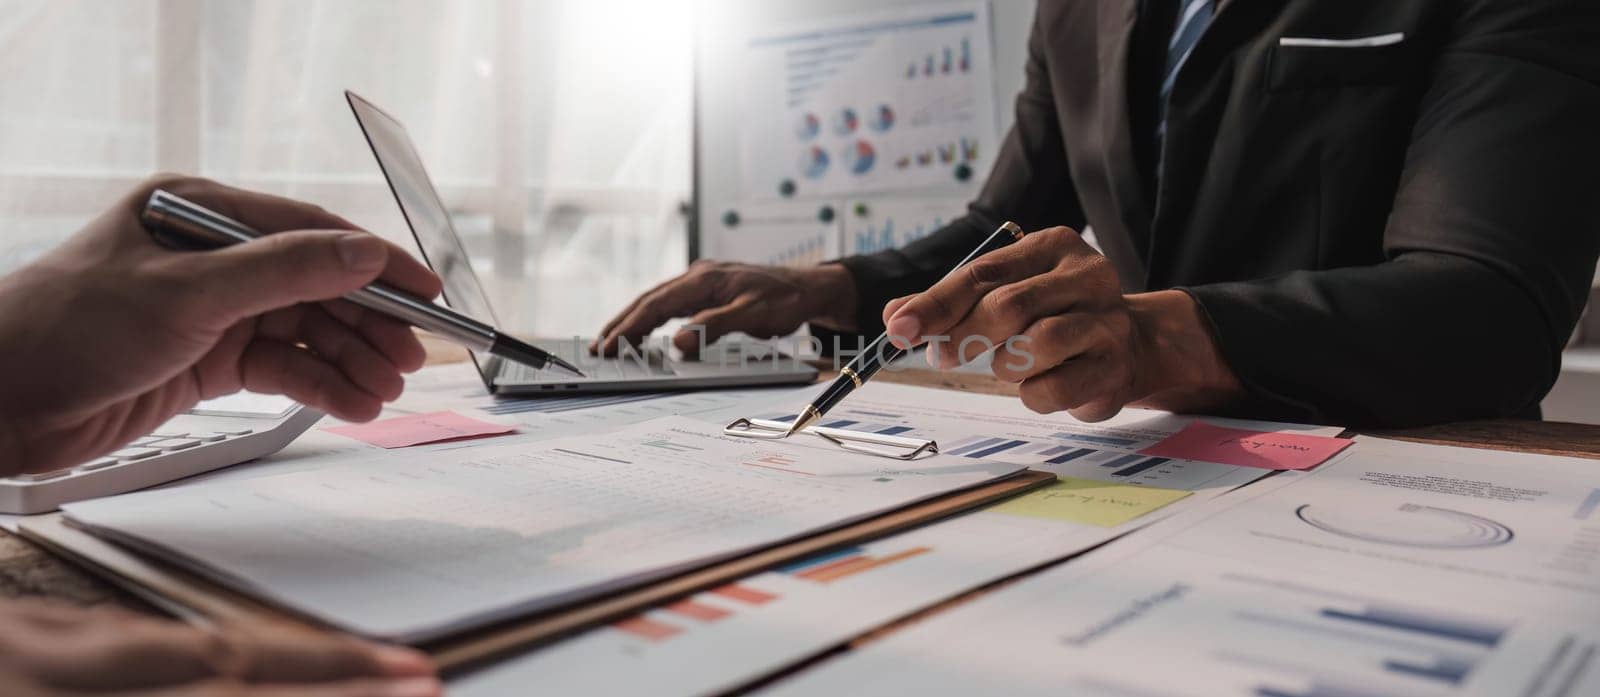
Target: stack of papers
x=722, y=639
x=411, y=549
x=1394, y=569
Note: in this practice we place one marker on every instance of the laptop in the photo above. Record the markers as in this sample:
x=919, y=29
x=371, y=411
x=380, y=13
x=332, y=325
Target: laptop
x=647, y=368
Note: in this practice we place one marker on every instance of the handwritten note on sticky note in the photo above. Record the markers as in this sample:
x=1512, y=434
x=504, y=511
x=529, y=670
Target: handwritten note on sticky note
x=1089, y=501
x=1237, y=446
x=417, y=429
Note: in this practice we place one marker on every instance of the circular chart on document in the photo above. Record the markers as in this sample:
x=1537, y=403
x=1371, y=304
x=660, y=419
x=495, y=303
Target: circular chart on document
x=859, y=157
x=807, y=126
x=846, y=122
x=883, y=119
x=1408, y=525
x=814, y=162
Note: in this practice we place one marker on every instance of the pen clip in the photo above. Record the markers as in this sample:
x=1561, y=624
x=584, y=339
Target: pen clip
x=859, y=442
x=894, y=447
x=757, y=428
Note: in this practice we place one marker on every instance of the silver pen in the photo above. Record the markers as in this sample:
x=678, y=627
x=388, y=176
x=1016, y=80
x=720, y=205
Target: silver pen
x=182, y=224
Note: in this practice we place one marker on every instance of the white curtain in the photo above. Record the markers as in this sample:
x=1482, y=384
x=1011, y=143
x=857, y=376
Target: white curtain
x=557, y=130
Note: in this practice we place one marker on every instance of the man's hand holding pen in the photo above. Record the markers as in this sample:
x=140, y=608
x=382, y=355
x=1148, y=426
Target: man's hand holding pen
x=1088, y=348
x=1070, y=337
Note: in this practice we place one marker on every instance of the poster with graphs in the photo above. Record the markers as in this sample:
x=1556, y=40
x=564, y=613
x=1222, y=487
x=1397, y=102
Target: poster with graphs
x=893, y=222
x=895, y=102
x=775, y=234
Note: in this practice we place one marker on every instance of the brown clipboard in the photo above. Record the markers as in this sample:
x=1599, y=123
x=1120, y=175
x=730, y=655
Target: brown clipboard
x=196, y=599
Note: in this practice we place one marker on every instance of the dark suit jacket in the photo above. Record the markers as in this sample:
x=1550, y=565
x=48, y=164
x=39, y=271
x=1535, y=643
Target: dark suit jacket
x=1395, y=235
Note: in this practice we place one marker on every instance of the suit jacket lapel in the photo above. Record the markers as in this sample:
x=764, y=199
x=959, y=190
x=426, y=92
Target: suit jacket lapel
x=1124, y=247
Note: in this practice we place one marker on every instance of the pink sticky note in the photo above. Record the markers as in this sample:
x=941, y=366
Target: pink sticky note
x=1237, y=446
x=416, y=429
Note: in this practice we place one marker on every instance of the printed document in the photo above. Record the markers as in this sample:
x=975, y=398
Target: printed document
x=724, y=638
x=1394, y=569
x=415, y=548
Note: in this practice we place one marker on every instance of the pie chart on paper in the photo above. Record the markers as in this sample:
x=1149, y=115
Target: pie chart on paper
x=883, y=119
x=1408, y=525
x=814, y=162
x=807, y=126
x=859, y=157
x=846, y=122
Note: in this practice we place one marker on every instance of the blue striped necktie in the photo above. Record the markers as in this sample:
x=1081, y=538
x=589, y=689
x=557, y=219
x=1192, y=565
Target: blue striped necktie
x=1193, y=19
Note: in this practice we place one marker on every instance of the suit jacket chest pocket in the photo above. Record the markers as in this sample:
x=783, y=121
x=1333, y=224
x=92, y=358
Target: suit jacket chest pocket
x=1308, y=63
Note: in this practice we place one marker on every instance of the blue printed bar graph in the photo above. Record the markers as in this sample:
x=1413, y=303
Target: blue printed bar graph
x=1326, y=643
x=1320, y=691
x=1069, y=457
x=885, y=415
x=1423, y=622
x=1589, y=505
x=1448, y=669
x=996, y=449
x=851, y=424
x=1098, y=440
x=1121, y=461
x=818, y=560
x=1141, y=466
x=967, y=446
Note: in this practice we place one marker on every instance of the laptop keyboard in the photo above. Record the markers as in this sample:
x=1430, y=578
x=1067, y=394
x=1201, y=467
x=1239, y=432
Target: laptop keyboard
x=652, y=364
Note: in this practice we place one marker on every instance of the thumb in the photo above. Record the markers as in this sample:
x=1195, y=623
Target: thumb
x=903, y=331
x=894, y=306
x=286, y=268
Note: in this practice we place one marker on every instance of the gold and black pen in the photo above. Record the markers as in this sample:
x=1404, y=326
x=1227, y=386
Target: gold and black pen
x=881, y=350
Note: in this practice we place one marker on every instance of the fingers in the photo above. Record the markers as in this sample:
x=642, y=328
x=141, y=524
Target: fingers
x=274, y=367
x=634, y=304
x=1051, y=341
x=291, y=653
x=934, y=311
x=716, y=323
x=889, y=311
x=682, y=296
x=336, y=343
x=1006, y=312
x=1092, y=387
x=273, y=214
x=364, y=687
x=275, y=271
x=395, y=339
x=105, y=649
x=264, y=212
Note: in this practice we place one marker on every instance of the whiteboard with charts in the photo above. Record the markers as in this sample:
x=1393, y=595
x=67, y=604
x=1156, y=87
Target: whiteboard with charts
x=832, y=128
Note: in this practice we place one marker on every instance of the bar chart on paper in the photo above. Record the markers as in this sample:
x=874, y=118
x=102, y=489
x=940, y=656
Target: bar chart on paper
x=1076, y=454
x=845, y=563
x=805, y=582
x=1167, y=622
x=1370, y=647
x=1271, y=637
x=1065, y=455
x=862, y=421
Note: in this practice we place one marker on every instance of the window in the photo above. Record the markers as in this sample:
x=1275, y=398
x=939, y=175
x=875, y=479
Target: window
x=558, y=132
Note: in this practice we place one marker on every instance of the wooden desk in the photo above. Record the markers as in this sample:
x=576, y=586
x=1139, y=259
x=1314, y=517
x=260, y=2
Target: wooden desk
x=26, y=570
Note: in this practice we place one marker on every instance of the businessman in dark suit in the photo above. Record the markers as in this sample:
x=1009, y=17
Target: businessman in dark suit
x=1365, y=212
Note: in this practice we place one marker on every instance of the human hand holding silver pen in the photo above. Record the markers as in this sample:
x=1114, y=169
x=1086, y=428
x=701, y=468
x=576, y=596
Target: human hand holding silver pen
x=181, y=223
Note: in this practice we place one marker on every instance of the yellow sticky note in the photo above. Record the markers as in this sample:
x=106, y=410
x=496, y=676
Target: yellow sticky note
x=1089, y=501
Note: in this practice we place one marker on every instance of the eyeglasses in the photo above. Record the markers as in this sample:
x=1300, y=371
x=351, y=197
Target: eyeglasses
x=881, y=445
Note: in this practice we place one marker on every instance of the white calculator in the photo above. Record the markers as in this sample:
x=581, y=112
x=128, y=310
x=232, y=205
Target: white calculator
x=215, y=434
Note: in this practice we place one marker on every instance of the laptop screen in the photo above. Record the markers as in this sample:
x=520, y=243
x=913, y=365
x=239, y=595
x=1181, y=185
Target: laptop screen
x=419, y=202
